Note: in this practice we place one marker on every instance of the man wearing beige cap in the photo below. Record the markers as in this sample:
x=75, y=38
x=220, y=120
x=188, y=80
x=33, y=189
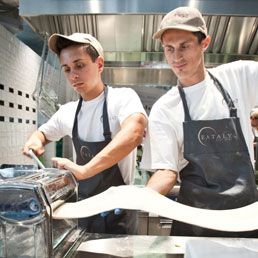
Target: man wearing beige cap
x=254, y=124
x=199, y=132
x=106, y=125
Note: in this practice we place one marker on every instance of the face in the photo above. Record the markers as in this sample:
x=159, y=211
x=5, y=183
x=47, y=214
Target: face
x=185, y=55
x=83, y=74
x=254, y=121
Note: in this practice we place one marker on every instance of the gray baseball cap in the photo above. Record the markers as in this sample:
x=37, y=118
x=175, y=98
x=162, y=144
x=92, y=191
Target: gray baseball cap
x=182, y=18
x=76, y=37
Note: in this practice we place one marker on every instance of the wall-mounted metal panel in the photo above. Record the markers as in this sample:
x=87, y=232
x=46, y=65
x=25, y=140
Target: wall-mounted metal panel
x=138, y=76
x=221, y=7
x=120, y=32
x=238, y=35
x=254, y=45
x=127, y=38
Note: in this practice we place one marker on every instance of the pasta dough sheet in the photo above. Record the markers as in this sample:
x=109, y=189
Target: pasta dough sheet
x=145, y=199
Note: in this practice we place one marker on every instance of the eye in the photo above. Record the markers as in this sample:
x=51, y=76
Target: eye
x=79, y=65
x=168, y=49
x=184, y=46
x=66, y=69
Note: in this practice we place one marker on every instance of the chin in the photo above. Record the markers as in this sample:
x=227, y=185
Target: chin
x=79, y=91
x=181, y=74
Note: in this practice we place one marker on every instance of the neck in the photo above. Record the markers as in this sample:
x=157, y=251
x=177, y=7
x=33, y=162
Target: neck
x=94, y=92
x=194, y=79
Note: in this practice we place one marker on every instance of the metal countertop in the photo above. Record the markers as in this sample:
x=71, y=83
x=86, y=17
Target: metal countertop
x=103, y=246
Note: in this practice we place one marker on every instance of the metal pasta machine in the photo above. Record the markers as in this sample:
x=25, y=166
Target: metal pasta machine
x=26, y=225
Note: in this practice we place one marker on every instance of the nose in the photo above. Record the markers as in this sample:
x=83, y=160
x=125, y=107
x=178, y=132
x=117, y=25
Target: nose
x=177, y=55
x=74, y=76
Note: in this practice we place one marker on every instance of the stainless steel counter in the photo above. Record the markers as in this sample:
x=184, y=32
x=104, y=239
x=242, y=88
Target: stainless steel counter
x=102, y=246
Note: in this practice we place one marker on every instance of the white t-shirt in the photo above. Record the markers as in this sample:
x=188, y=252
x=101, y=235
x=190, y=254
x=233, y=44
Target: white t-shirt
x=255, y=132
x=164, y=143
x=121, y=103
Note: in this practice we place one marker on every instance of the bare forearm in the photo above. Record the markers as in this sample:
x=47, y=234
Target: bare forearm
x=39, y=135
x=125, y=141
x=116, y=150
x=162, y=181
x=113, y=153
x=129, y=137
x=36, y=141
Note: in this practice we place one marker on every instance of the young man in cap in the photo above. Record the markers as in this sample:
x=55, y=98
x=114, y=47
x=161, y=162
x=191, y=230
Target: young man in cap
x=199, y=132
x=254, y=124
x=106, y=125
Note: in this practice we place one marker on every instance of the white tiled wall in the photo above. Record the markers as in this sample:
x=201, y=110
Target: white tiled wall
x=18, y=74
x=19, y=67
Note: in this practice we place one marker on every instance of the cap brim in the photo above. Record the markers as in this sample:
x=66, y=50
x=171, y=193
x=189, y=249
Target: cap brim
x=53, y=39
x=159, y=33
x=52, y=42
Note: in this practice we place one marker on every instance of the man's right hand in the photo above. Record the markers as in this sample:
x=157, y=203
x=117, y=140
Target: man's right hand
x=36, y=142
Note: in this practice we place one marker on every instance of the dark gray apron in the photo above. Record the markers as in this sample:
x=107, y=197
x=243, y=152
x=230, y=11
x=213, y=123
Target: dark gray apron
x=219, y=174
x=124, y=223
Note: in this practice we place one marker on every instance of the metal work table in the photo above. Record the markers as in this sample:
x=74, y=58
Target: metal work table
x=108, y=246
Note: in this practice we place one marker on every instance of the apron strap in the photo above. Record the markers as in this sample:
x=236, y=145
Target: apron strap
x=75, y=126
x=226, y=96
x=106, y=129
x=182, y=95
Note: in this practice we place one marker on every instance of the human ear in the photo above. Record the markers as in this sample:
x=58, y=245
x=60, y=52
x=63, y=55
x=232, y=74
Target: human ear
x=206, y=42
x=100, y=63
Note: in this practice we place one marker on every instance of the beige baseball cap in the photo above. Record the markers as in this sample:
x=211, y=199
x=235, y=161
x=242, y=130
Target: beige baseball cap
x=182, y=18
x=76, y=37
x=254, y=113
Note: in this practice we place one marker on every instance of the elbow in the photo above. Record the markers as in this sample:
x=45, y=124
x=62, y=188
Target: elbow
x=135, y=129
x=135, y=138
x=138, y=135
x=138, y=139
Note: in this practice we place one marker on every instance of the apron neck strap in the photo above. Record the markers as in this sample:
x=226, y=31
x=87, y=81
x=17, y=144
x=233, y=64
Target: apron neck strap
x=225, y=94
x=75, y=124
x=182, y=95
x=106, y=128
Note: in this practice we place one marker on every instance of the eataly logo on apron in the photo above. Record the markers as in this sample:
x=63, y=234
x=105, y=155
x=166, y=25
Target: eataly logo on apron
x=208, y=135
x=86, y=153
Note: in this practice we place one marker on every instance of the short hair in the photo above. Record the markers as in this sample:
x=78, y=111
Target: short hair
x=200, y=36
x=62, y=43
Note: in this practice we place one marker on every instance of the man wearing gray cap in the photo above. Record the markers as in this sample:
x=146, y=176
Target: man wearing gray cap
x=106, y=125
x=199, y=132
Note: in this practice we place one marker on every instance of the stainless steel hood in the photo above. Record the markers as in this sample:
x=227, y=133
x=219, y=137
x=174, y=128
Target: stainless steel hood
x=125, y=29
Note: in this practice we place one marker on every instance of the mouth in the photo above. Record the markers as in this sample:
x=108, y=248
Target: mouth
x=77, y=84
x=179, y=66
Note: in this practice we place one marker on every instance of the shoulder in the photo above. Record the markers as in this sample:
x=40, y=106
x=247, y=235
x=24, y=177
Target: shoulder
x=123, y=97
x=123, y=102
x=166, y=103
x=69, y=106
x=240, y=66
x=66, y=110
